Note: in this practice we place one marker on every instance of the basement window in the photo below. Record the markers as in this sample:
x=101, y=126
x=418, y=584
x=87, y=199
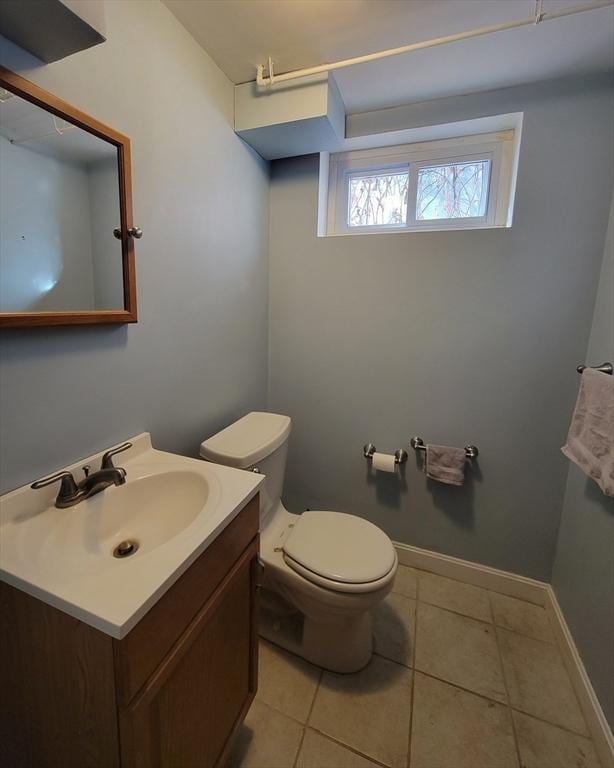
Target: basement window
x=463, y=183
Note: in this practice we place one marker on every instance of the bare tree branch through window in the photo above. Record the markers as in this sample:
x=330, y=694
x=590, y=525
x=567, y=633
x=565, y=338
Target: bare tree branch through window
x=452, y=191
x=378, y=200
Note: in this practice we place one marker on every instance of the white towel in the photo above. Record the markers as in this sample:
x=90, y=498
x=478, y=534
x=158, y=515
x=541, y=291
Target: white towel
x=445, y=464
x=590, y=442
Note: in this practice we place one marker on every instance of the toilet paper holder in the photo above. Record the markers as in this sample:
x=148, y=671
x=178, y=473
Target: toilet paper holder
x=400, y=455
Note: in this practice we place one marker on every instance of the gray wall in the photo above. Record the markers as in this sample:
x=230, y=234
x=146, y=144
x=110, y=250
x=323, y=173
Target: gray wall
x=583, y=576
x=106, y=249
x=455, y=336
x=45, y=244
x=198, y=356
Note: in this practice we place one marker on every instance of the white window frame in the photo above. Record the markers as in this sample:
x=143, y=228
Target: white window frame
x=498, y=148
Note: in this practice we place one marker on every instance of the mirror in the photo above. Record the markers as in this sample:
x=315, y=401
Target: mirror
x=66, y=242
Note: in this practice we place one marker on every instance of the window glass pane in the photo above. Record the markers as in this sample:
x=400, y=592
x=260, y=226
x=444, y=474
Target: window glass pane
x=378, y=200
x=455, y=191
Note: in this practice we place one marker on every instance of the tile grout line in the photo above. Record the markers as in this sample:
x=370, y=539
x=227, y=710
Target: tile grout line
x=499, y=630
x=554, y=725
x=289, y=717
x=491, y=623
x=477, y=586
x=561, y=657
x=450, y=682
x=313, y=701
x=349, y=747
x=440, y=680
x=490, y=608
x=325, y=735
x=300, y=746
x=307, y=726
x=451, y=578
x=279, y=712
x=474, y=586
x=328, y=736
x=562, y=660
x=505, y=685
x=304, y=726
x=520, y=600
x=457, y=613
x=394, y=661
x=461, y=688
x=315, y=696
x=413, y=675
x=529, y=637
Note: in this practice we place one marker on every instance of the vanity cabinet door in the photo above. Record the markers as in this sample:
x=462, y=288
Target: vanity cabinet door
x=140, y=653
x=200, y=694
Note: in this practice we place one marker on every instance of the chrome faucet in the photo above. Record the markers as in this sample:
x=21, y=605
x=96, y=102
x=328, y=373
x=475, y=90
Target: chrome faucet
x=72, y=492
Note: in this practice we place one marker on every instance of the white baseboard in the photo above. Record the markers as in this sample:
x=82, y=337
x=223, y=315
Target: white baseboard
x=593, y=713
x=533, y=591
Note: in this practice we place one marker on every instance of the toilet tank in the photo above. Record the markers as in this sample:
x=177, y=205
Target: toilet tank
x=256, y=440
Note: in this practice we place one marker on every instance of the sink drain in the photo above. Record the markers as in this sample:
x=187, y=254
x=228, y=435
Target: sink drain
x=126, y=548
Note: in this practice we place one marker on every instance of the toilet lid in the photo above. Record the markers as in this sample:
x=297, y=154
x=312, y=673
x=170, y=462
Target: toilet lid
x=340, y=547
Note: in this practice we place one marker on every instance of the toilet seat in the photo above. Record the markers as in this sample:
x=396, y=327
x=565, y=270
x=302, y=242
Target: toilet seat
x=340, y=552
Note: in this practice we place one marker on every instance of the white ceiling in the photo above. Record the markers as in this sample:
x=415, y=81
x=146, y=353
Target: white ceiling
x=239, y=34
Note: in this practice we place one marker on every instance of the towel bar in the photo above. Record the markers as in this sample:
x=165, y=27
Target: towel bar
x=604, y=368
x=417, y=443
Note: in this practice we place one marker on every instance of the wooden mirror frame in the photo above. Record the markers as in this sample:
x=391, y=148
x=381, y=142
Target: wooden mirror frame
x=47, y=101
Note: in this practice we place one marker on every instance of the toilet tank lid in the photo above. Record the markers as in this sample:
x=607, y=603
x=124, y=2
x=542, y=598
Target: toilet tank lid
x=248, y=440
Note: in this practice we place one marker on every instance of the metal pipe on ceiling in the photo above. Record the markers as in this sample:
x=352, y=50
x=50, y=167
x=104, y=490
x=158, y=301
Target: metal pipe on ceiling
x=272, y=78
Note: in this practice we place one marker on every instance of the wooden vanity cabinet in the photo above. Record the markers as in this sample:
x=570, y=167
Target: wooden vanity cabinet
x=170, y=694
x=192, y=702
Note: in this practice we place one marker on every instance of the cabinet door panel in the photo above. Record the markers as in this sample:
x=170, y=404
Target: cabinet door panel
x=201, y=692
x=138, y=655
x=57, y=695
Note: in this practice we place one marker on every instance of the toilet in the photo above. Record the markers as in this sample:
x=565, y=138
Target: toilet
x=324, y=572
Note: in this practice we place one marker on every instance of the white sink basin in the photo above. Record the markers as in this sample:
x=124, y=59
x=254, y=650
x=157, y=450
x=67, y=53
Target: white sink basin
x=149, y=511
x=170, y=507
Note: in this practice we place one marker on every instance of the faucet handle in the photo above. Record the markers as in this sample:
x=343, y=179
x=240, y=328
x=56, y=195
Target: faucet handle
x=68, y=486
x=107, y=458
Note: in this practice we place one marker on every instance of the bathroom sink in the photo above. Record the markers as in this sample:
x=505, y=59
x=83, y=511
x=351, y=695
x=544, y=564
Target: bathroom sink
x=107, y=559
x=147, y=512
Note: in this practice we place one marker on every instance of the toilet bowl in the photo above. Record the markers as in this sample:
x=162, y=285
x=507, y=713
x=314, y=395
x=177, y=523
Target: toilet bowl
x=324, y=572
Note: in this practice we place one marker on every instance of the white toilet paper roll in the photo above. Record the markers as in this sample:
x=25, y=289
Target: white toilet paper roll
x=384, y=462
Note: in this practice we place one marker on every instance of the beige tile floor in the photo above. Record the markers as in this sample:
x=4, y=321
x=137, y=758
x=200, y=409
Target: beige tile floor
x=461, y=678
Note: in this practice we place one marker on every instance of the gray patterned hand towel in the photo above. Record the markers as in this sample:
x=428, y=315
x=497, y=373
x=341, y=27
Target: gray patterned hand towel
x=590, y=442
x=445, y=464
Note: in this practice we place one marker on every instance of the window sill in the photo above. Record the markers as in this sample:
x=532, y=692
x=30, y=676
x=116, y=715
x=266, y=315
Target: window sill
x=417, y=230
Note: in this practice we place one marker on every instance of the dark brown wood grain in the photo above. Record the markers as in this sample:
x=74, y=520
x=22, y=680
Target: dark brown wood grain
x=31, y=92
x=191, y=706
x=257, y=570
x=57, y=706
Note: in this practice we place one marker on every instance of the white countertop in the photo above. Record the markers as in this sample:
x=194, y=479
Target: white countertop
x=56, y=554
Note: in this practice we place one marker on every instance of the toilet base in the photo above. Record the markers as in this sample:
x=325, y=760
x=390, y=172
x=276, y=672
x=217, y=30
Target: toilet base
x=344, y=645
